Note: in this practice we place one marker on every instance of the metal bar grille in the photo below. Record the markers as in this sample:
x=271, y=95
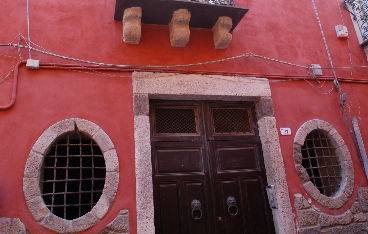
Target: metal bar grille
x=175, y=120
x=321, y=162
x=73, y=176
x=231, y=120
x=219, y=2
x=360, y=12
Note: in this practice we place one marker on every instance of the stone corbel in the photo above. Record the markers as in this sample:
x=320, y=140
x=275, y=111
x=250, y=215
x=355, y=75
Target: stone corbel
x=179, y=28
x=132, y=25
x=221, y=35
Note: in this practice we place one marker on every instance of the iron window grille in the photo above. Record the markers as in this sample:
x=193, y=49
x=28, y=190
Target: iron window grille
x=175, y=120
x=231, y=120
x=321, y=162
x=73, y=176
x=359, y=11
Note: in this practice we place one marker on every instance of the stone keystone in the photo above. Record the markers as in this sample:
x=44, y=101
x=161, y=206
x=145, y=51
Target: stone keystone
x=221, y=35
x=132, y=25
x=179, y=28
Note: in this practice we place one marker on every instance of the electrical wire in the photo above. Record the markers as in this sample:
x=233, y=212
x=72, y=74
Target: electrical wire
x=7, y=76
x=324, y=38
x=29, y=31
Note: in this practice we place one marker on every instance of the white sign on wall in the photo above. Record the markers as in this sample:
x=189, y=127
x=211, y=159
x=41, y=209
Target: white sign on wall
x=285, y=131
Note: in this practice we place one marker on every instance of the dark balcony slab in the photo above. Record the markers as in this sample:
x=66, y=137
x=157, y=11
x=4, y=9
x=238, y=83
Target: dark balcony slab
x=203, y=15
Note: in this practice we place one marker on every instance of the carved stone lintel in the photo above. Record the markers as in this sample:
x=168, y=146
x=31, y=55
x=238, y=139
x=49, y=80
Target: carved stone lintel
x=221, y=35
x=179, y=28
x=132, y=25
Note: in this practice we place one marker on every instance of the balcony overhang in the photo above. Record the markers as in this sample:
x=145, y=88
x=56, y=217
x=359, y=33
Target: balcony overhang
x=203, y=15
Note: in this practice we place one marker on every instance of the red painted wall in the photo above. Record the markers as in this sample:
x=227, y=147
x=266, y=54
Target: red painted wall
x=283, y=30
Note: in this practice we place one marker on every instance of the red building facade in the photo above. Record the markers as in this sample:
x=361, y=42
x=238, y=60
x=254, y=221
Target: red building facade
x=106, y=81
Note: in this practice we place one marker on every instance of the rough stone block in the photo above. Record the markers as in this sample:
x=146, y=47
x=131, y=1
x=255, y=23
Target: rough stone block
x=336, y=138
x=17, y=227
x=56, y=224
x=356, y=208
x=363, y=198
x=44, y=142
x=312, y=190
x=63, y=126
x=265, y=107
x=348, y=186
x=141, y=104
x=86, y=127
x=221, y=35
x=330, y=220
x=324, y=125
x=132, y=25
x=37, y=208
x=348, y=169
x=5, y=224
x=33, y=165
x=111, y=160
x=179, y=28
x=83, y=222
x=325, y=201
x=344, y=153
x=103, y=141
x=310, y=230
x=300, y=136
x=31, y=188
x=300, y=202
x=297, y=152
x=303, y=175
x=339, y=201
x=121, y=223
x=310, y=125
x=360, y=217
x=354, y=228
x=308, y=217
x=200, y=85
x=111, y=183
x=102, y=206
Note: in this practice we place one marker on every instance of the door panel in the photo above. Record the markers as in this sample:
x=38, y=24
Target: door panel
x=236, y=158
x=258, y=211
x=195, y=191
x=210, y=178
x=179, y=160
x=169, y=209
x=230, y=204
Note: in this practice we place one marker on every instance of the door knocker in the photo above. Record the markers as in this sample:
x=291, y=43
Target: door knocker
x=196, y=210
x=231, y=206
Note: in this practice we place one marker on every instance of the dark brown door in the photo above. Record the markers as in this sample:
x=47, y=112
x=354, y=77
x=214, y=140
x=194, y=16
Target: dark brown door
x=208, y=171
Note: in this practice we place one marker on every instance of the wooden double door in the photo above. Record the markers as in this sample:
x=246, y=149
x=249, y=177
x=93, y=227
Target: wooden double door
x=208, y=171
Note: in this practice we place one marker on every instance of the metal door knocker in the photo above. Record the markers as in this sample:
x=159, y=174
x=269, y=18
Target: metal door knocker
x=231, y=206
x=196, y=210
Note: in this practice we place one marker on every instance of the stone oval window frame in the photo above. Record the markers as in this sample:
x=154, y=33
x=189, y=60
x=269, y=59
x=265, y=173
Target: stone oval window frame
x=342, y=151
x=32, y=172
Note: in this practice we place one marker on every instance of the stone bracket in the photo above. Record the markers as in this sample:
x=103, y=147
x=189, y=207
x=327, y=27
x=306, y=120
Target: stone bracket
x=179, y=28
x=132, y=25
x=221, y=35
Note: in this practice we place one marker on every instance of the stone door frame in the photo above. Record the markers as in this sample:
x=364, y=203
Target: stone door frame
x=170, y=86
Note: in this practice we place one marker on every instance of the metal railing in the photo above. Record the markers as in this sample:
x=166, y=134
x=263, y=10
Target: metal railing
x=359, y=10
x=219, y=2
